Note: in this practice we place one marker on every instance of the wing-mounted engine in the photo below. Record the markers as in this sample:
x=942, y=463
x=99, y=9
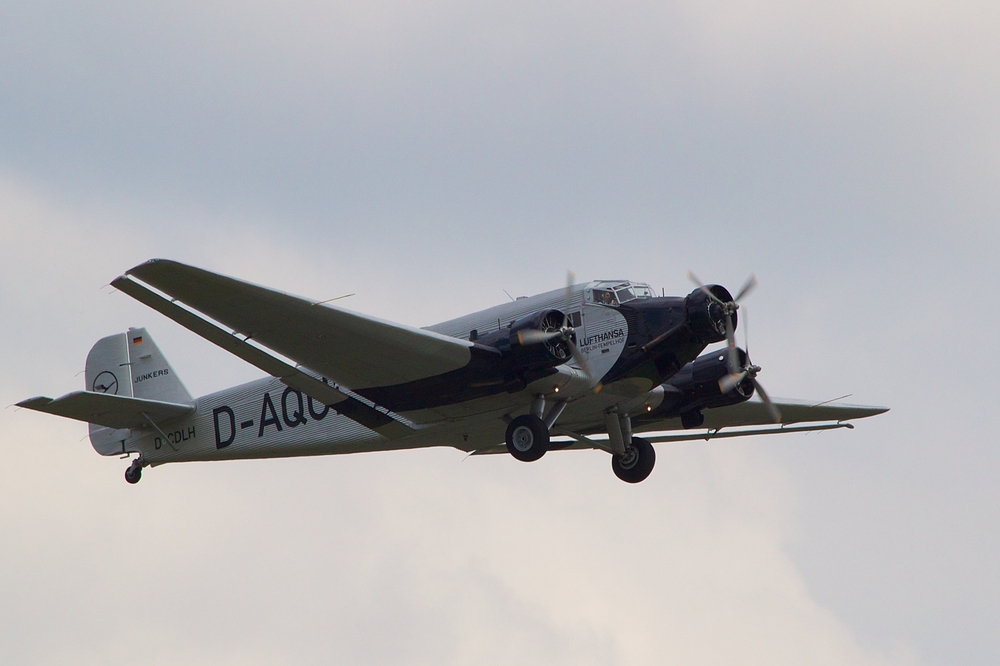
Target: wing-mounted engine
x=542, y=340
x=507, y=359
x=700, y=385
x=534, y=343
x=706, y=316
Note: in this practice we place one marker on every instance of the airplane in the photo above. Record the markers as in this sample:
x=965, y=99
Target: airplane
x=592, y=366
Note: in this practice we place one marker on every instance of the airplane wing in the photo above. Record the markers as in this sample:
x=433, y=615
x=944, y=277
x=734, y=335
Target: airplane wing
x=753, y=413
x=112, y=411
x=349, y=348
x=741, y=420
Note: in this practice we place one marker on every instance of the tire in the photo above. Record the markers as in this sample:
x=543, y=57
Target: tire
x=527, y=438
x=637, y=462
x=133, y=474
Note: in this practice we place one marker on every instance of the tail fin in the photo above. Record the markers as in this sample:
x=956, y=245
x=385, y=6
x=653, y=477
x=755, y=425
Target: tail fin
x=131, y=365
x=152, y=376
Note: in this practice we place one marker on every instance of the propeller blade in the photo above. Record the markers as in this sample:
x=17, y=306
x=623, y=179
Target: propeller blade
x=751, y=283
x=746, y=334
x=772, y=410
x=704, y=289
x=570, y=278
x=533, y=336
x=734, y=357
x=729, y=382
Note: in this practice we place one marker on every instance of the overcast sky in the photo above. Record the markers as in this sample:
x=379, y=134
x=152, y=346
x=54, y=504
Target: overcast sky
x=427, y=156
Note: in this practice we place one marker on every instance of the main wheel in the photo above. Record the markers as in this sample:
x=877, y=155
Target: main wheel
x=637, y=462
x=133, y=474
x=527, y=438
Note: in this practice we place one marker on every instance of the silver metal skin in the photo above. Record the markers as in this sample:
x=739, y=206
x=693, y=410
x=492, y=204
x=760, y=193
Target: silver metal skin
x=538, y=405
x=615, y=436
x=554, y=414
x=135, y=403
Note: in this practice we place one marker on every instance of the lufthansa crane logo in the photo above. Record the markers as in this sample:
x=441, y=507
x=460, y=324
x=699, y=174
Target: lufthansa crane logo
x=106, y=382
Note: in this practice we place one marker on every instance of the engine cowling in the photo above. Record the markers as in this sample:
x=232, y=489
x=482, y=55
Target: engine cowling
x=696, y=386
x=705, y=316
x=525, y=361
x=541, y=355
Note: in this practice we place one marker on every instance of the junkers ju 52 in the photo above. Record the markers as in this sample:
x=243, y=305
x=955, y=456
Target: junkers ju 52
x=604, y=365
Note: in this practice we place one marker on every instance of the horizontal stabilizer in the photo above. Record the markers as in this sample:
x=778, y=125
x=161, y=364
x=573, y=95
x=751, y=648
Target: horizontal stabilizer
x=112, y=411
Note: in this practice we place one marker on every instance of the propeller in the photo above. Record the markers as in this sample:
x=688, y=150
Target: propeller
x=734, y=379
x=736, y=373
x=728, y=308
x=535, y=336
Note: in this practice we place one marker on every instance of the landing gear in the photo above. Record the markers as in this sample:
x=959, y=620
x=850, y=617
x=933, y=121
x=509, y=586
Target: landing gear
x=527, y=437
x=134, y=471
x=692, y=419
x=636, y=463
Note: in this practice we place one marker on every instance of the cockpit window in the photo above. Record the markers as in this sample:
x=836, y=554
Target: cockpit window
x=625, y=295
x=605, y=297
x=615, y=293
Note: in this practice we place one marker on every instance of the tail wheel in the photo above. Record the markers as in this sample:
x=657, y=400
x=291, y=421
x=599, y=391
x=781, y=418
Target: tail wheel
x=133, y=474
x=636, y=463
x=527, y=438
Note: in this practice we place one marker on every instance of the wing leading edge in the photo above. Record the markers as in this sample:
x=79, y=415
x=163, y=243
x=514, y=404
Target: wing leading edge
x=355, y=350
x=753, y=413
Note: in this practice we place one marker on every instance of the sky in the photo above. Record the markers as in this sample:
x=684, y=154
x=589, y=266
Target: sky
x=428, y=156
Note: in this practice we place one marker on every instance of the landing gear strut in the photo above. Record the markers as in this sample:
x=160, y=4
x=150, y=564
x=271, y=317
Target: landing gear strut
x=636, y=463
x=134, y=471
x=527, y=437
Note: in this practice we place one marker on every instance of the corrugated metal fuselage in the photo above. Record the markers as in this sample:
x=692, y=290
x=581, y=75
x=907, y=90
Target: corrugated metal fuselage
x=266, y=418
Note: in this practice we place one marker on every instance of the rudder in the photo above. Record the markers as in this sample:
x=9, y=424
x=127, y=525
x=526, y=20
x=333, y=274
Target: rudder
x=131, y=365
x=152, y=376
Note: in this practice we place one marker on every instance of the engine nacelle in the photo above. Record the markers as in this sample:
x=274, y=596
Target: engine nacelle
x=696, y=386
x=540, y=355
x=706, y=317
x=526, y=361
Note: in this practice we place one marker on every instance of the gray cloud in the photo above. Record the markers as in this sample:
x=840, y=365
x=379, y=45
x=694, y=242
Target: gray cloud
x=427, y=156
